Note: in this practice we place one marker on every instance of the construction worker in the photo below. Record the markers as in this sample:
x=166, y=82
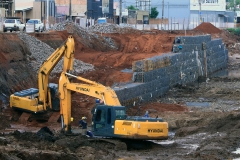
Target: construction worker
x=146, y=114
x=99, y=101
x=83, y=125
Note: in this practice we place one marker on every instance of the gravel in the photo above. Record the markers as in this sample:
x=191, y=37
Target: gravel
x=92, y=37
x=40, y=51
x=98, y=28
x=112, y=28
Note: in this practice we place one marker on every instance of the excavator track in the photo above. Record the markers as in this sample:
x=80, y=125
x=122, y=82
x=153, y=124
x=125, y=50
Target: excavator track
x=23, y=119
x=123, y=144
x=108, y=143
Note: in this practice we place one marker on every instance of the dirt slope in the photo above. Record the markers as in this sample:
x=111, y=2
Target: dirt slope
x=12, y=54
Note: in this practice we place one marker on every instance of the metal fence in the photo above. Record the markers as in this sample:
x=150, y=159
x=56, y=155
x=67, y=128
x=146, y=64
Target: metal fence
x=172, y=24
x=30, y=28
x=184, y=24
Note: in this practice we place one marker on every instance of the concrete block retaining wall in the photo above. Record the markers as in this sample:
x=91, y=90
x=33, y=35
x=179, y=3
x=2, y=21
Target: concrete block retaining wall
x=154, y=76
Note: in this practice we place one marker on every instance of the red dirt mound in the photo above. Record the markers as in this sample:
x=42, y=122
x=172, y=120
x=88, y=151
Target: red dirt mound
x=207, y=27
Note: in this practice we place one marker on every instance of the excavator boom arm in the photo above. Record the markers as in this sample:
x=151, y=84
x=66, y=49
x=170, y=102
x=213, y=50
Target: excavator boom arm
x=90, y=88
x=66, y=51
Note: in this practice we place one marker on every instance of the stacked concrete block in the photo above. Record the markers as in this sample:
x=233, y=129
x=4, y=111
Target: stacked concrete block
x=148, y=76
x=192, y=39
x=138, y=77
x=137, y=66
x=151, y=63
x=186, y=65
x=174, y=79
x=214, y=42
x=190, y=48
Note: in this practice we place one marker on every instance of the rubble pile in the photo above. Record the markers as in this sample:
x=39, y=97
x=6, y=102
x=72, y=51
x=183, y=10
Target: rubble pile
x=112, y=28
x=40, y=51
x=94, y=41
x=86, y=37
x=60, y=26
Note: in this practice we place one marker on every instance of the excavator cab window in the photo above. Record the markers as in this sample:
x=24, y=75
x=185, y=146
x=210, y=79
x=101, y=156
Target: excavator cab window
x=120, y=114
x=109, y=116
x=98, y=115
x=100, y=118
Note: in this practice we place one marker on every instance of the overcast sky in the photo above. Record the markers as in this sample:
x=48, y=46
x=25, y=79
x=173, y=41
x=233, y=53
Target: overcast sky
x=158, y=4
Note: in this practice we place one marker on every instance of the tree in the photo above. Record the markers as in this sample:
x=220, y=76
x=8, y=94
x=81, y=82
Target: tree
x=131, y=8
x=230, y=4
x=154, y=12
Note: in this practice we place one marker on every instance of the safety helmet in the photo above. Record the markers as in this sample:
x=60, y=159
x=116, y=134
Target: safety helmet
x=97, y=100
x=84, y=117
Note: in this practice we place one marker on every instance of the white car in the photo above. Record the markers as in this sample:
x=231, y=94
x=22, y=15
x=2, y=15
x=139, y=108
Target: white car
x=39, y=27
x=13, y=25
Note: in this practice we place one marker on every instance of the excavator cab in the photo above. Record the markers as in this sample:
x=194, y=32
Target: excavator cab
x=112, y=121
x=54, y=96
x=104, y=118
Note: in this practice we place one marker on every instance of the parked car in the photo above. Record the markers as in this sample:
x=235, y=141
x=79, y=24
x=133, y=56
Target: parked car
x=39, y=27
x=21, y=26
x=11, y=25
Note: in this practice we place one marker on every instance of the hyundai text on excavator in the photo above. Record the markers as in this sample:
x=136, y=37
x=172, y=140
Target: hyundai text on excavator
x=46, y=96
x=110, y=119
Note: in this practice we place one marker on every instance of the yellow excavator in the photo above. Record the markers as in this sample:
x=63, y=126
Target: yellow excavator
x=109, y=119
x=45, y=97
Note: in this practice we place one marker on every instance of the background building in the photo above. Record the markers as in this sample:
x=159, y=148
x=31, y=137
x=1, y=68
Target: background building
x=6, y=8
x=99, y=8
x=35, y=9
x=72, y=8
x=210, y=11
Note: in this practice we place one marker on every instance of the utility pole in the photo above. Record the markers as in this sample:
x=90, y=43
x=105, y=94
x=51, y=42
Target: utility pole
x=235, y=16
x=13, y=8
x=162, y=13
x=70, y=10
x=120, y=11
x=47, y=24
x=41, y=11
x=200, y=10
